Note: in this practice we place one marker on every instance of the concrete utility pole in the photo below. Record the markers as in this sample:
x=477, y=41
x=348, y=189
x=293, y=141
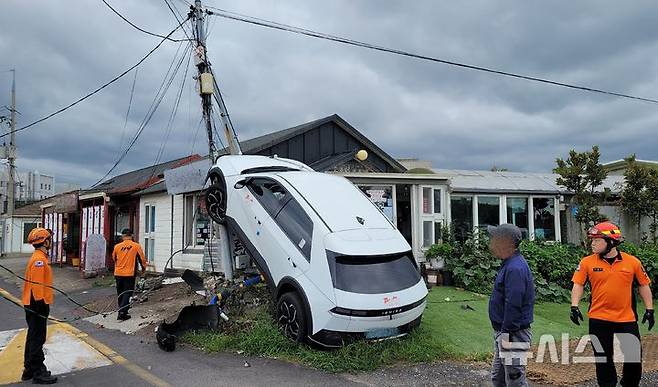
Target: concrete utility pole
x=207, y=87
x=10, y=153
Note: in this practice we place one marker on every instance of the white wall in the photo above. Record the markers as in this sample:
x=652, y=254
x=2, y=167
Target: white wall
x=163, y=235
x=17, y=246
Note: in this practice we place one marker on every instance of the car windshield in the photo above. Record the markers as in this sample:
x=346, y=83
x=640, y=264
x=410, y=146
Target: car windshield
x=373, y=274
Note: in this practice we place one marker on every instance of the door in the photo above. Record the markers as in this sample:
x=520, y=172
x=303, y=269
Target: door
x=431, y=215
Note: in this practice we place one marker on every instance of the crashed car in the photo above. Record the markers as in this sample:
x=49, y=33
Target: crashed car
x=337, y=267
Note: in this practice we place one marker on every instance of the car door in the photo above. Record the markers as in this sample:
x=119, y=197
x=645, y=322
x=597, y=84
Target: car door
x=297, y=226
x=268, y=198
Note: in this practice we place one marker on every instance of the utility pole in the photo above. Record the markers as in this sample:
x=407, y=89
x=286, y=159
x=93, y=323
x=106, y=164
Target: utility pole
x=207, y=87
x=10, y=153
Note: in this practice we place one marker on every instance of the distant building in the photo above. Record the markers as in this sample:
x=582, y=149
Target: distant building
x=618, y=167
x=31, y=186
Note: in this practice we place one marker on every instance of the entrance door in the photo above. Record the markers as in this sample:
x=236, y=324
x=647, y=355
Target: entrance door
x=431, y=216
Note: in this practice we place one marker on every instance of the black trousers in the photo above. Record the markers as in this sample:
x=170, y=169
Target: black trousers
x=36, y=315
x=606, y=374
x=125, y=287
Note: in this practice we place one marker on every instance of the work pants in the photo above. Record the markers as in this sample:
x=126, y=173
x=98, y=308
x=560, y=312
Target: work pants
x=125, y=288
x=629, y=338
x=36, y=315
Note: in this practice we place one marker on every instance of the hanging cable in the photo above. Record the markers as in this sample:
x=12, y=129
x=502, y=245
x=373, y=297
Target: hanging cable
x=93, y=92
x=138, y=28
x=130, y=102
x=319, y=35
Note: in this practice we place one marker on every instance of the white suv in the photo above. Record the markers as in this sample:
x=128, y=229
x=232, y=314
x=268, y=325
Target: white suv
x=337, y=267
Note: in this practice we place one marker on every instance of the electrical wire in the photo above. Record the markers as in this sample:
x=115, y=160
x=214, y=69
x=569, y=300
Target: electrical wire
x=130, y=102
x=319, y=35
x=179, y=19
x=154, y=106
x=93, y=92
x=139, y=28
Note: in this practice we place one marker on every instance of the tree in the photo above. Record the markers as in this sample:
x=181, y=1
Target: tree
x=582, y=174
x=635, y=198
x=652, y=193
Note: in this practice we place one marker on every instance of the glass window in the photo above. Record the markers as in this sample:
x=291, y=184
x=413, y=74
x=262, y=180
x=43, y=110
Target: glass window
x=427, y=200
x=152, y=228
x=488, y=211
x=381, y=196
x=437, y=232
x=461, y=209
x=296, y=224
x=271, y=195
x=121, y=222
x=373, y=274
x=149, y=248
x=147, y=220
x=427, y=233
x=544, y=215
x=517, y=214
x=437, y=201
x=27, y=227
x=197, y=222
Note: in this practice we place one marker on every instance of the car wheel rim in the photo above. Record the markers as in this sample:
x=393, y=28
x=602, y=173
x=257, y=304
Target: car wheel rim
x=288, y=320
x=215, y=199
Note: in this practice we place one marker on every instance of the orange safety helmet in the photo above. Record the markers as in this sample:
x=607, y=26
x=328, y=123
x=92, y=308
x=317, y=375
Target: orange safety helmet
x=606, y=230
x=38, y=235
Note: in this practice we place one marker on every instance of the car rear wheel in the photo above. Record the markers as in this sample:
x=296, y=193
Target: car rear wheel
x=291, y=317
x=216, y=200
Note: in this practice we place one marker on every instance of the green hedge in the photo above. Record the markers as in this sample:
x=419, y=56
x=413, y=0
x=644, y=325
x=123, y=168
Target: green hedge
x=474, y=267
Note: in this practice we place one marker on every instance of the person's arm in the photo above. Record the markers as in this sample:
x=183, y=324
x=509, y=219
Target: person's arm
x=515, y=290
x=647, y=296
x=142, y=259
x=577, y=293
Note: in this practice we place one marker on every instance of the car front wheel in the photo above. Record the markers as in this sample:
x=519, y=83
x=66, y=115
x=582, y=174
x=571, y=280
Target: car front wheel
x=216, y=201
x=291, y=317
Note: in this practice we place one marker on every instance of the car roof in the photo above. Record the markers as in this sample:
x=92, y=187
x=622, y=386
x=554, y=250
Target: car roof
x=337, y=201
x=231, y=165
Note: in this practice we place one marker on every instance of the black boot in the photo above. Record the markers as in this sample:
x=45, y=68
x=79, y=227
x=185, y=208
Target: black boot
x=27, y=375
x=44, y=377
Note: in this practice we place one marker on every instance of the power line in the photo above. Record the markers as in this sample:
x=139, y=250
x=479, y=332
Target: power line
x=93, y=92
x=319, y=35
x=139, y=28
x=130, y=102
x=154, y=106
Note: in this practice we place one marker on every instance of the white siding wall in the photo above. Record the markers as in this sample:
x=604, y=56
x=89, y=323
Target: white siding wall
x=163, y=247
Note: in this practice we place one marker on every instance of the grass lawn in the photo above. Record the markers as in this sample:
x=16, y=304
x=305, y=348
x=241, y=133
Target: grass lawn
x=448, y=331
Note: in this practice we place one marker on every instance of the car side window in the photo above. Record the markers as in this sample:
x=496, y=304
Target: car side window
x=271, y=195
x=297, y=225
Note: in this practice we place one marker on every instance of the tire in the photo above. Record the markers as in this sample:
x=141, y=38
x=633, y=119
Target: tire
x=291, y=317
x=215, y=196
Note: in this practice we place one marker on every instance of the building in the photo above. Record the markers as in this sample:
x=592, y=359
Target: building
x=31, y=186
x=618, y=167
x=13, y=240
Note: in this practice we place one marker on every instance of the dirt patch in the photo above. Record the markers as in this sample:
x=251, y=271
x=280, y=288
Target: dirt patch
x=577, y=373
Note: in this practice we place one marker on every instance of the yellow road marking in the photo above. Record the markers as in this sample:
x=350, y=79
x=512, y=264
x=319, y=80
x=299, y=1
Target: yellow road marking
x=11, y=372
x=97, y=345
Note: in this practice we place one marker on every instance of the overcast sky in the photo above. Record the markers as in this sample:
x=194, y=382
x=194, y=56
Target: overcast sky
x=272, y=80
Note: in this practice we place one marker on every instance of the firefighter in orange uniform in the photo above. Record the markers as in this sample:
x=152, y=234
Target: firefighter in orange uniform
x=127, y=256
x=37, y=298
x=613, y=276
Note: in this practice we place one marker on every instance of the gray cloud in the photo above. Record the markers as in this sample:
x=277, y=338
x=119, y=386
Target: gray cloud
x=273, y=80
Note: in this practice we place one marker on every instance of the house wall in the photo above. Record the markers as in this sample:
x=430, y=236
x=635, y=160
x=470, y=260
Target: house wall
x=17, y=246
x=167, y=239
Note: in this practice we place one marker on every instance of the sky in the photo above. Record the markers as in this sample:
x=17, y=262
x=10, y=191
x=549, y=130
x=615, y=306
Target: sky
x=272, y=80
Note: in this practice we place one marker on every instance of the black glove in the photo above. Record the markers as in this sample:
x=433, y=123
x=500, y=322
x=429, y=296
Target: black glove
x=576, y=315
x=648, y=316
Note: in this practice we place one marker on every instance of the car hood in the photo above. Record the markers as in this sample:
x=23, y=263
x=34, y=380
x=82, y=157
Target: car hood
x=366, y=242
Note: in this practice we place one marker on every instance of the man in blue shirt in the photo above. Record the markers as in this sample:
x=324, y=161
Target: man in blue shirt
x=511, y=307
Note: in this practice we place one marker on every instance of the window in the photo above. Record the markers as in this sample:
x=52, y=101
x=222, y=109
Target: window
x=437, y=232
x=437, y=201
x=27, y=227
x=517, y=214
x=296, y=224
x=544, y=216
x=427, y=233
x=373, y=274
x=488, y=211
x=149, y=225
x=461, y=208
x=427, y=200
x=381, y=196
x=149, y=248
x=270, y=194
x=197, y=224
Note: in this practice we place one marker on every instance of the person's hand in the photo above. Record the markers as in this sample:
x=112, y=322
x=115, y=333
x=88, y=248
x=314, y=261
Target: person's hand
x=648, y=316
x=576, y=315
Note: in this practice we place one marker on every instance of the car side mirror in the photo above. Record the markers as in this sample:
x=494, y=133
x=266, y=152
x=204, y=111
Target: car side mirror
x=243, y=183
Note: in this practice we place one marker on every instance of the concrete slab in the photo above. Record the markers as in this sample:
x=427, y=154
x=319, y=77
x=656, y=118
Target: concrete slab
x=131, y=326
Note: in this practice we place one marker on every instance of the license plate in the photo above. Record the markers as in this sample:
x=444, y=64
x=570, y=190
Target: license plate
x=382, y=333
